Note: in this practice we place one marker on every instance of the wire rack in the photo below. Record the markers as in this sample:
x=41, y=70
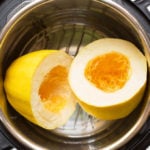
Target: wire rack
x=70, y=38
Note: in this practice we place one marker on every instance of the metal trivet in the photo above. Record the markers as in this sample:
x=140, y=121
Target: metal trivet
x=69, y=38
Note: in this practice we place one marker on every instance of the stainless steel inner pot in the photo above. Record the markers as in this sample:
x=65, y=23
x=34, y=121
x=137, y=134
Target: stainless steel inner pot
x=69, y=25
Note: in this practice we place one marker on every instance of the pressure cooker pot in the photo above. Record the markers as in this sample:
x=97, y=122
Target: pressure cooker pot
x=69, y=26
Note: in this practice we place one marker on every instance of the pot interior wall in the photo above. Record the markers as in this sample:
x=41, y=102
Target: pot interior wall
x=63, y=25
x=66, y=25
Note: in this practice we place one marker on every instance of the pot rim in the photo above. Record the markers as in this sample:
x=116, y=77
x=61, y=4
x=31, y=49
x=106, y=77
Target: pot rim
x=144, y=39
